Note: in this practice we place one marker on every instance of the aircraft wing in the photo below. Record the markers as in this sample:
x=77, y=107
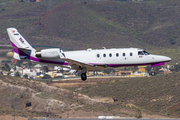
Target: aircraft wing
x=76, y=65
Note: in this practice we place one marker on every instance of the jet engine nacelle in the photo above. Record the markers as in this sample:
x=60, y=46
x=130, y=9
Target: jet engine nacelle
x=49, y=53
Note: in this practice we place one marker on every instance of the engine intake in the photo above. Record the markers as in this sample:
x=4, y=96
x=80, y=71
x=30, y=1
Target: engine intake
x=49, y=53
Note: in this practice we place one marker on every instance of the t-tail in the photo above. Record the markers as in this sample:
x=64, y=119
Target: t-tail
x=22, y=49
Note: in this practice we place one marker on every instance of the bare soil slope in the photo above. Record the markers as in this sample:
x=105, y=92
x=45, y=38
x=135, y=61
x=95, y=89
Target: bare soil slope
x=32, y=98
x=28, y=98
x=158, y=94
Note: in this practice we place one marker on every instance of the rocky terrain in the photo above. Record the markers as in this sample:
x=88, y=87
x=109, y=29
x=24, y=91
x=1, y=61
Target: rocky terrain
x=27, y=98
x=37, y=97
x=26, y=95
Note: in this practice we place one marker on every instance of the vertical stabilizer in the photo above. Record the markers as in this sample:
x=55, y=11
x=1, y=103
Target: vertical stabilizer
x=17, y=40
x=22, y=49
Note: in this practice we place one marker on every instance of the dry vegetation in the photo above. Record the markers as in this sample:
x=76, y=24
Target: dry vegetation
x=92, y=24
x=158, y=94
x=69, y=24
x=36, y=99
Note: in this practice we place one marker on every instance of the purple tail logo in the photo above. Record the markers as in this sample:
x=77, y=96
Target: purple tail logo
x=22, y=41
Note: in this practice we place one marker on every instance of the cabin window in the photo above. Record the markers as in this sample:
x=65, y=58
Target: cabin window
x=98, y=55
x=117, y=54
x=104, y=55
x=110, y=55
x=124, y=54
x=140, y=53
x=131, y=54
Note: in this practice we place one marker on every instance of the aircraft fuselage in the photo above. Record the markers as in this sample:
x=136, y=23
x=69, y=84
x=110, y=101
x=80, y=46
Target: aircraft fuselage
x=116, y=57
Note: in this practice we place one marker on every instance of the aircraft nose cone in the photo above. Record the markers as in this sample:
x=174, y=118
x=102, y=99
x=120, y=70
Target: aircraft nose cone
x=166, y=59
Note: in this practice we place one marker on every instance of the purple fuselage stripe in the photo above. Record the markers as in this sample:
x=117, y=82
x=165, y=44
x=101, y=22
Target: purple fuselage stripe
x=123, y=65
x=96, y=64
x=13, y=45
x=15, y=50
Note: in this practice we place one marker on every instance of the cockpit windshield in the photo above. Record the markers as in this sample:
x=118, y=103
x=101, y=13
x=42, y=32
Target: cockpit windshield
x=140, y=53
x=143, y=53
x=146, y=53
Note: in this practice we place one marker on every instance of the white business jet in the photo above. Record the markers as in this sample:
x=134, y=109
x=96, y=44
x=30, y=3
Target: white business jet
x=83, y=60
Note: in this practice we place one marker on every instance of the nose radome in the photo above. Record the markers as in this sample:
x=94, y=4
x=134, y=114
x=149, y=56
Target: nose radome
x=166, y=59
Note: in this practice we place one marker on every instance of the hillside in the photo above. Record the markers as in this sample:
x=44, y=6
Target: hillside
x=36, y=99
x=29, y=98
x=150, y=24
x=115, y=23
x=159, y=94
